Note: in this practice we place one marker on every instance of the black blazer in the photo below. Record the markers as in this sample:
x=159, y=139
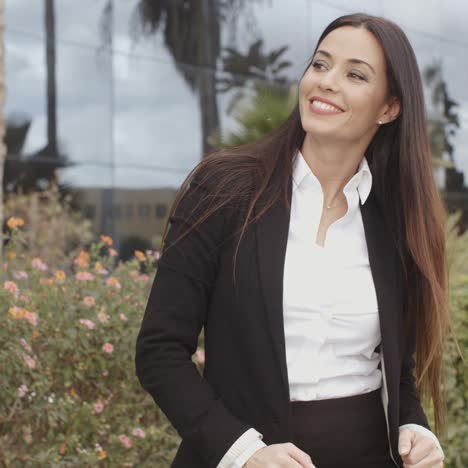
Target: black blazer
x=245, y=380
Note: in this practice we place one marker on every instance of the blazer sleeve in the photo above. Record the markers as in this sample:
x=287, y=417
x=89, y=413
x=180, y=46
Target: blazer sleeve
x=411, y=410
x=175, y=313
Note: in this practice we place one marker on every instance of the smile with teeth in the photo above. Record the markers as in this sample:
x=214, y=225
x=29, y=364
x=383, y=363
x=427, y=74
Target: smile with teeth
x=322, y=105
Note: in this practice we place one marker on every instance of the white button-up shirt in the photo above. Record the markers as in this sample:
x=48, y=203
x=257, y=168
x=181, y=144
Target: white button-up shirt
x=330, y=308
x=331, y=318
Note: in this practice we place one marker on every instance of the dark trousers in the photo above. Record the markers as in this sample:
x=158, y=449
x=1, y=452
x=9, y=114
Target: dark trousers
x=347, y=432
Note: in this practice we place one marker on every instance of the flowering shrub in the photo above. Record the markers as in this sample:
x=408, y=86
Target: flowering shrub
x=53, y=226
x=69, y=393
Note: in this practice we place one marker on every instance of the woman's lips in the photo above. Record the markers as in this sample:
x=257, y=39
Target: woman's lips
x=323, y=111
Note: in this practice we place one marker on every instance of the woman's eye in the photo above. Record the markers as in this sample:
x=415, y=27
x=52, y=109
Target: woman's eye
x=317, y=65
x=355, y=75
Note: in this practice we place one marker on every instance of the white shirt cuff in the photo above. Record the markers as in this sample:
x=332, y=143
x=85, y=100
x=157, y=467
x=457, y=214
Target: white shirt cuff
x=426, y=432
x=242, y=449
x=247, y=453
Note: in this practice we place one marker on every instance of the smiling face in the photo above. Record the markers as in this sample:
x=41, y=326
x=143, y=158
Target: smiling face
x=349, y=71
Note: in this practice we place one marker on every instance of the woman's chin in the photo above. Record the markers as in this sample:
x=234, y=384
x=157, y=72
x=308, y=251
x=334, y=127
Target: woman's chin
x=322, y=131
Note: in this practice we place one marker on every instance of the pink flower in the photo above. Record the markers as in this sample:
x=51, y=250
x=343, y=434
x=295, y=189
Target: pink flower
x=30, y=362
x=11, y=287
x=31, y=317
x=157, y=255
x=22, y=390
x=143, y=278
x=84, y=276
x=88, y=324
x=105, y=373
x=89, y=301
x=107, y=348
x=38, y=264
x=200, y=356
x=25, y=345
x=103, y=317
x=20, y=275
x=125, y=441
x=100, y=269
x=123, y=317
x=98, y=407
x=139, y=432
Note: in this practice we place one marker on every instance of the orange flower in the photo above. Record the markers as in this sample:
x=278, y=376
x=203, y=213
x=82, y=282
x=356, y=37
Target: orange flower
x=60, y=275
x=62, y=449
x=14, y=223
x=11, y=255
x=16, y=312
x=35, y=334
x=140, y=255
x=106, y=240
x=89, y=301
x=48, y=281
x=98, y=267
x=113, y=282
x=72, y=393
x=102, y=454
x=82, y=259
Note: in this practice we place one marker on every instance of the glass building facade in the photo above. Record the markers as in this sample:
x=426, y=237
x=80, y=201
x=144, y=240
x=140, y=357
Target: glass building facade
x=122, y=97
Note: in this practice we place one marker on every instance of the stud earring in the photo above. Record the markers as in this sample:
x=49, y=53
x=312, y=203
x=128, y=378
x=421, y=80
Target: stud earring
x=380, y=122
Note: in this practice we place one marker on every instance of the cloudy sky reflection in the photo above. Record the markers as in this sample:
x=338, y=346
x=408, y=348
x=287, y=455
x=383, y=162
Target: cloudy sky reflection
x=126, y=116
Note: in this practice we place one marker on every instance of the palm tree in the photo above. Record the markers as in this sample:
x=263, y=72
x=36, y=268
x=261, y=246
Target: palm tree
x=445, y=121
x=443, y=125
x=266, y=110
x=191, y=32
x=192, y=35
x=255, y=66
x=2, y=119
x=27, y=172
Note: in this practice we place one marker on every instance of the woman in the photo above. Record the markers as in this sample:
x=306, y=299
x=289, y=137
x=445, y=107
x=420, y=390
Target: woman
x=314, y=259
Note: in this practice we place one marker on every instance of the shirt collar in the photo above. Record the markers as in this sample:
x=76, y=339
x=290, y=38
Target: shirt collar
x=361, y=180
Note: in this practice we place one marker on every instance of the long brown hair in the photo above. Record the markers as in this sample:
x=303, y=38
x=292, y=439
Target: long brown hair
x=400, y=160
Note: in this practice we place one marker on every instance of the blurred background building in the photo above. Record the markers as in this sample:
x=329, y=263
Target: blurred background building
x=120, y=99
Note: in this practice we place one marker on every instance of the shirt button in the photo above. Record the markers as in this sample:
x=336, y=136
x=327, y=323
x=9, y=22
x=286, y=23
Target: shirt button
x=326, y=312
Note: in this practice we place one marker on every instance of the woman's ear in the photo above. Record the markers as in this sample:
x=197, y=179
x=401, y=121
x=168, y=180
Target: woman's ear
x=393, y=110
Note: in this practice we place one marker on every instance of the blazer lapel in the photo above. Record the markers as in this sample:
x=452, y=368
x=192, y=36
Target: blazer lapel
x=387, y=278
x=272, y=236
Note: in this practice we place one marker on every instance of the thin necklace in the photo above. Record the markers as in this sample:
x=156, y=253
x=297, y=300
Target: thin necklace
x=331, y=205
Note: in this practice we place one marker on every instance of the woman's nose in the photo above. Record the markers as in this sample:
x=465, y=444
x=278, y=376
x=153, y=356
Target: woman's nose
x=329, y=81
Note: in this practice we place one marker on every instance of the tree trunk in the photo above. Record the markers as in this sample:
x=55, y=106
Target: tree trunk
x=3, y=149
x=49, y=19
x=207, y=80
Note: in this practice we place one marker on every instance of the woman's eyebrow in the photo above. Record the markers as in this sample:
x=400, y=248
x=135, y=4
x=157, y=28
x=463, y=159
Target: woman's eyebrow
x=352, y=60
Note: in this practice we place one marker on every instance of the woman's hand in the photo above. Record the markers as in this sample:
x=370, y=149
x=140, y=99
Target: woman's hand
x=279, y=456
x=418, y=451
